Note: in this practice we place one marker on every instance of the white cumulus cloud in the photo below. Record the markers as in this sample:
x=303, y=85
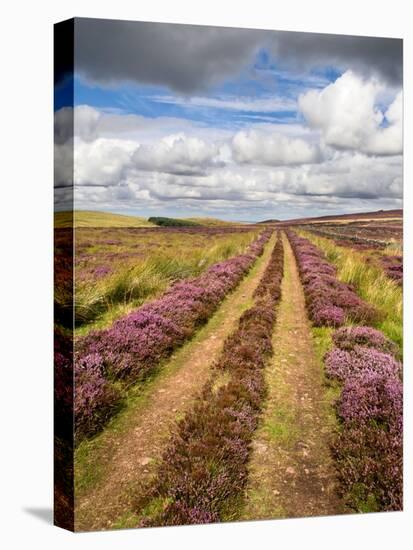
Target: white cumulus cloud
x=348, y=116
x=272, y=149
x=177, y=154
x=101, y=162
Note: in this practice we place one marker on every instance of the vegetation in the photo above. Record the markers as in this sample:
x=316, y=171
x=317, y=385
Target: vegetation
x=172, y=222
x=372, y=285
x=119, y=270
x=330, y=302
x=135, y=344
x=211, y=222
x=89, y=218
x=369, y=447
x=361, y=234
x=144, y=292
x=205, y=465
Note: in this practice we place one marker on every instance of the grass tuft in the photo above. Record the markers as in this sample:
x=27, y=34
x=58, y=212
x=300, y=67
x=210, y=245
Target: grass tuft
x=371, y=283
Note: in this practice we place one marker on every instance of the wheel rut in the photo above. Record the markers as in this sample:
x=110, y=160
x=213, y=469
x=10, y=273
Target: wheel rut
x=291, y=472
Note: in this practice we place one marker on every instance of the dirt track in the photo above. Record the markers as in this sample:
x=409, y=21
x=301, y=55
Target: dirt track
x=132, y=453
x=291, y=472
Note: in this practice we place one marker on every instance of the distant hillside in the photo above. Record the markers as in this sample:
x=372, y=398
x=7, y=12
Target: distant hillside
x=377, y=214
x=89, y=218
x=210, y=222
x=270, y=221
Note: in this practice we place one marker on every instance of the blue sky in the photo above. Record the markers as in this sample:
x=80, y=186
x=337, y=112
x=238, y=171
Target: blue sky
x=238, y=124
x=260, y=80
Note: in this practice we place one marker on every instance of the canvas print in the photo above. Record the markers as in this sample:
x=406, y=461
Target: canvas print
x=228, y=274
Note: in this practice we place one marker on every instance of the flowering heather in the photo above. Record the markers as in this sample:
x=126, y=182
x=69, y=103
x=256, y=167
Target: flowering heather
x=135, y=344
x=369, y=447
x=329, y=315
x=63, y=422
x=329, y=300
x=393, y=267
x=95, y=397
x=114, y=246
x=370, y=468
x=63, y=382
x=373, y=396
x=101, y=271
x=348, y=337
x=360, y=234
x=206, y=461
x=343, y=364
x=182, y=514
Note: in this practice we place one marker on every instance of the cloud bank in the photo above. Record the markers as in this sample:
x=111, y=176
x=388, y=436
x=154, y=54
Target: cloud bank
x=249, y=173
x=189, y=58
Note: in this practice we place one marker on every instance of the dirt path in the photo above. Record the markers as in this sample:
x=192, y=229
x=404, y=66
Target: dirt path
x=130, y=455
x=291, y=471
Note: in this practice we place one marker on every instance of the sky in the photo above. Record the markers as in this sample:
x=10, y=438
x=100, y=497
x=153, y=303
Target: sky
x=179, y=120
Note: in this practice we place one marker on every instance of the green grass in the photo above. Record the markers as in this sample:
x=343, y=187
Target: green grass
x=322, y=340
x=89, y=218
x=371, y=283
x=92, y=218
x=281, y=428
x=98, y=303
x=362, y=501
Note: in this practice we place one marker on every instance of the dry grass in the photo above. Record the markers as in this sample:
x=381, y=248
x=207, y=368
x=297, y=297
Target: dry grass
x=88, y=218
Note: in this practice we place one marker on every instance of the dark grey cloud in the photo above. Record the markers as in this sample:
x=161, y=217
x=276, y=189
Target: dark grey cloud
x=367, y=55
x=188, y=58
x=184, y=58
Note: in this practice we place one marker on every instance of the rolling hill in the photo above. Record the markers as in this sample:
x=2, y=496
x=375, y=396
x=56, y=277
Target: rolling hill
x=89, y=218
x=376, y=215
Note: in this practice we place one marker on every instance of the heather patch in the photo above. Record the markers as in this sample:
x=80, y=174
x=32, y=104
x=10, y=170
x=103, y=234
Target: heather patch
x=344, y=364
x=393, y=267
x=369, y=446
x=349, y=337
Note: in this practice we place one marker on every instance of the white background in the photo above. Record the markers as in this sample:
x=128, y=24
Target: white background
x=26, y=207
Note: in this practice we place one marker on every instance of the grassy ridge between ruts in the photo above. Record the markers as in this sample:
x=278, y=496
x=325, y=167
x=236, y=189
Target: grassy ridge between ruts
x=109, y=360
x=364, y=362
x=205, y=465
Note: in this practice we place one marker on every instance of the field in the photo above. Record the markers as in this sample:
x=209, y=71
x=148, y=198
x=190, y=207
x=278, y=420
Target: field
x=85, y=218
x=226, y=372
x=378, y=236
x=117, y=269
